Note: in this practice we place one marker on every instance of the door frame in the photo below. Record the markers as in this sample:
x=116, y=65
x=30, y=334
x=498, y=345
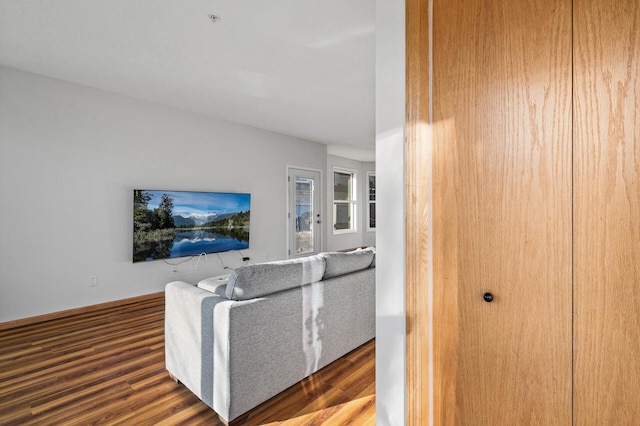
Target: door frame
x=418, y=298
x=431, y=317
x=320, y=209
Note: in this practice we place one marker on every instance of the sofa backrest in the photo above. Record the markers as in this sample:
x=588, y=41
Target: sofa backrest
x=251, y=281
x=341, y=263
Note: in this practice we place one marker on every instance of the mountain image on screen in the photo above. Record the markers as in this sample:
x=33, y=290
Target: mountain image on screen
x=169, y=224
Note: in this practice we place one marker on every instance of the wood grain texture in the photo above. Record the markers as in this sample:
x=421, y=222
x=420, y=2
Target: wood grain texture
x=446, y=264
x=607, y=212
x=106, y=366
x=418, y=297
x=72, y=312
x=502, y=206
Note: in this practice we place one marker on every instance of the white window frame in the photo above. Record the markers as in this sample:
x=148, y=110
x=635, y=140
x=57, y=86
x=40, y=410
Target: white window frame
x=353, y=202
x=369, y=203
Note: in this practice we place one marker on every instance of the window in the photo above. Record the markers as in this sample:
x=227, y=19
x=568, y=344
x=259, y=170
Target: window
x=371, y=201
x=344, y=201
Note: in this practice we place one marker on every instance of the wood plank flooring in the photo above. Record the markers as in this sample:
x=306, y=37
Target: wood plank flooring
x=107, y=367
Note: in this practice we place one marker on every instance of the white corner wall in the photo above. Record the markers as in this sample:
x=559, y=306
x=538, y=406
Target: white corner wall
x=390, y=252
x=361, y=237
x=70, y=157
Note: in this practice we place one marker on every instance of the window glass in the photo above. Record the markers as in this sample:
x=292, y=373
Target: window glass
x=371, y=211
x=342, y=214
x=304, y=215
x=344, y=201
x=342, y=186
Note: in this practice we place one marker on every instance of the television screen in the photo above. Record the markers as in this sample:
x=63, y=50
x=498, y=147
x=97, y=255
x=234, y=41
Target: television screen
x=170, y=224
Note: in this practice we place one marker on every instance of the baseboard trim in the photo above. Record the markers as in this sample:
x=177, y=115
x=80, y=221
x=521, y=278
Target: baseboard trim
x=77, y=311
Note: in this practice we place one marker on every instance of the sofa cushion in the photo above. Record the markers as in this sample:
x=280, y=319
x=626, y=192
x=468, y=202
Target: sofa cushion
x=215, y=285
x=248, y=282
x=340, y=263
x=373, y=249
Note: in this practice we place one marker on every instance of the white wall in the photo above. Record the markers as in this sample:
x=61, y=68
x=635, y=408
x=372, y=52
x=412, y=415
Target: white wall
x=361, y=236
x=390, y=252
x=70, y=157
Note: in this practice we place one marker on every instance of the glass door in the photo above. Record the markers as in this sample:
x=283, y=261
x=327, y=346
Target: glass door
x=304, y=213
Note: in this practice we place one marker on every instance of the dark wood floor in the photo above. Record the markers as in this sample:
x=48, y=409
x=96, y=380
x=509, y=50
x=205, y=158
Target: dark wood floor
x=107, y=367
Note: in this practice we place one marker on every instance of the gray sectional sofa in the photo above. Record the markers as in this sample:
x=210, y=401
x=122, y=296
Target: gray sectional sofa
x=237, y=340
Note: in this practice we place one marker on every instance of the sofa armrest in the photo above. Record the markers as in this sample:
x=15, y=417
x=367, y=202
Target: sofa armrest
x=189, y=336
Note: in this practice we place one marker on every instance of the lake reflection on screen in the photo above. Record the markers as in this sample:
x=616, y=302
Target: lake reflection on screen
x=194, y=242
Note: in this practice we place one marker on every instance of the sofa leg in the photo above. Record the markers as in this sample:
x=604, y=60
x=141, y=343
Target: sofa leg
x=242, y=420
x=174, y=378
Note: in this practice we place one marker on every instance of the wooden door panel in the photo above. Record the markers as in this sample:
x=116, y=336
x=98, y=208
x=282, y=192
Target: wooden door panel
x=502, y=103
x=607, y=212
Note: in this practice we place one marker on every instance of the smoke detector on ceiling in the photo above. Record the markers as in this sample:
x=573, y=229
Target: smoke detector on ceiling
x=214, y=18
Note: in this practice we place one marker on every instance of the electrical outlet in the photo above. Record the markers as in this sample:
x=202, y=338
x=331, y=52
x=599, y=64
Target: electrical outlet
x=93, y=281
x=174, y=269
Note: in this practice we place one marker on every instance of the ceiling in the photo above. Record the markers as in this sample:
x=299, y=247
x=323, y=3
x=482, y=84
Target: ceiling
x=298, y=67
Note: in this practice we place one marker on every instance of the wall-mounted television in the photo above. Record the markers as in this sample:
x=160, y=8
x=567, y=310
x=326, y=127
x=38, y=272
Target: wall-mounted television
x=168, y=224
